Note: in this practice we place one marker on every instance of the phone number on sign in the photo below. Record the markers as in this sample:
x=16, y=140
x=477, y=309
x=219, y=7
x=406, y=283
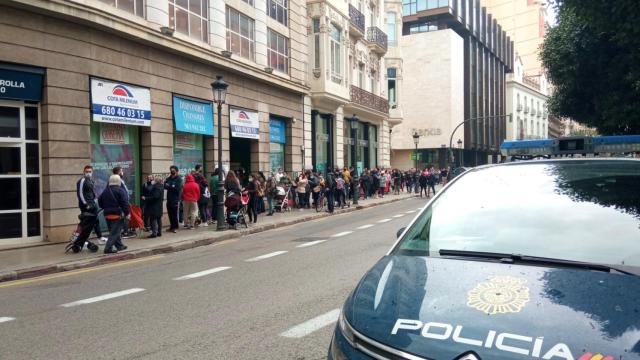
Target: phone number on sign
x=122, y=112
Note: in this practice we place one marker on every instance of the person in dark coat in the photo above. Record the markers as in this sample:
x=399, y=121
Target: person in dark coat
x=173, y=185
x=114, y=201
x=153, y=206
x=145, y=193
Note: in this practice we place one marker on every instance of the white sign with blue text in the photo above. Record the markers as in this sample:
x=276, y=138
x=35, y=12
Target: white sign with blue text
x=244, y=124
x=117, y=103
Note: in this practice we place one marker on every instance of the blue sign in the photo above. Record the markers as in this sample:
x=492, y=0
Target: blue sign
x=193, y=116
x=20, y=85
x=277, y=132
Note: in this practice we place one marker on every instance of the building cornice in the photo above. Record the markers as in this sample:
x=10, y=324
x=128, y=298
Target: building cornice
x=526, y=87
x=143, y=31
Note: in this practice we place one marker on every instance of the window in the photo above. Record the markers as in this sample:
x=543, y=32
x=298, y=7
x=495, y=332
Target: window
x=278, y=52
x=190, y=17
x=372, y=80
x=518, y=99
x=316, y=43
x=336, y=50
x=250, y=2
x=240, y=34
x=278, y=10
x=361, y=76
x=135, y=7
x=391, y=28
x=391, y=86
x=410, y=7
x=423, y=27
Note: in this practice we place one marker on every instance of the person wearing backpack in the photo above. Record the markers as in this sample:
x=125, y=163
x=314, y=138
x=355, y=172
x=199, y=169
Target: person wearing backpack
x=114, y=201
x=340, y=184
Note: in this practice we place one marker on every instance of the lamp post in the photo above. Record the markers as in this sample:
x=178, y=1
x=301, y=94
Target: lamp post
x=416, y=140
x=355, y=181
x=460, y=151
x=219, y=94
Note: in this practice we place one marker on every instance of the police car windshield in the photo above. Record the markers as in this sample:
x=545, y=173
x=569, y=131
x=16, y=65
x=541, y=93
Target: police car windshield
x=582, y=210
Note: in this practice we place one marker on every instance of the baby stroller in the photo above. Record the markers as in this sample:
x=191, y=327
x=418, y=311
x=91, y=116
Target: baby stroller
x=79, y=237
x=282, y=199
x=236, y=205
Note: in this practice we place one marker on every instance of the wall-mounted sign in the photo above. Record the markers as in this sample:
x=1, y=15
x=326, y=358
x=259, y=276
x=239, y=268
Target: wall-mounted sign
x=277, y=132
x=244, y=124
x=20, y=85
x=112, y=134
x=185, y=141
x=193, y=116
x=427, y=132
x=118, y=103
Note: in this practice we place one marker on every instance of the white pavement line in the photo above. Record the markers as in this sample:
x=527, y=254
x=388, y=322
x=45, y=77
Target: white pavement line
x=312, y=325
x=266, y=256
x=342, y=234
x=310, y=243
x=419, y=209
x=398, y=215
x=383, y=220
x=203, y=273
x=103, y=297
x=364, y=227
x=410, y=212
x=6, y=319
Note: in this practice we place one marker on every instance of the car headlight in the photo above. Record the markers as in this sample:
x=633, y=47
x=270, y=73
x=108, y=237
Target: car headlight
x=345, y=328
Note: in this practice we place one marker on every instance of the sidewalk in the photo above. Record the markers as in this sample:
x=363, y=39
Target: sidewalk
x=35, y=261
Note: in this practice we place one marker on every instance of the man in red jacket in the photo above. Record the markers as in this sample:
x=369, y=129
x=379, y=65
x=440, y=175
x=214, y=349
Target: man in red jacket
x=190, y=197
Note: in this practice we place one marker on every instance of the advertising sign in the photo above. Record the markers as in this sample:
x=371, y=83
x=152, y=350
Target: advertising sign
x=277, y=132
x=105, y=157
x=118, y=103
x=112, y=134
x=244, y=124
x=185, y=141
x=186, y=160
x=193, y=116
x=20, y=85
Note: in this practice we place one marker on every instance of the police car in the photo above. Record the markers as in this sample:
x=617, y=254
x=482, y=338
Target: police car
x=524, y=260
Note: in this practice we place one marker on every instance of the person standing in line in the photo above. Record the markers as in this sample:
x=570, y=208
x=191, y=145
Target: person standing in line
x=431, y=181
x=262, y=182
x=301, y=189
x=340, y=184
x=147, y=186
x=213, y=188
x=329, y=189
x=116, y=209
x=173, y=185
x=252, y=189
x=382, y=183
x=153, y=207
x=423, y=182
x=87, y=204
x=271, y=191
x=190, y=197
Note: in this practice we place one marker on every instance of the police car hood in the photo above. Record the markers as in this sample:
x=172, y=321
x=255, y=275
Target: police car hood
x=439, y=308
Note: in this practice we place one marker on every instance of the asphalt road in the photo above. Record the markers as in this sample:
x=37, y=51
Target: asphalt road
x=272, y=295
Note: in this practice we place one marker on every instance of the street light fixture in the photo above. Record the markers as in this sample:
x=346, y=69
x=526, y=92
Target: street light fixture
x=219, y=88
x=460, y=150
x=356, y=177
x=416, y=140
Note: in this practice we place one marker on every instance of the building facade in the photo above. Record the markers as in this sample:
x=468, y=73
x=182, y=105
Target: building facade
x=455, y=58
x=527, y=102
x=348, y=123
x=127, y=83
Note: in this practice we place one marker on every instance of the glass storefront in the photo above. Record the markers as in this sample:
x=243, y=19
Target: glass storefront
x=322, y=126
x=277, y=141
x=188, y=151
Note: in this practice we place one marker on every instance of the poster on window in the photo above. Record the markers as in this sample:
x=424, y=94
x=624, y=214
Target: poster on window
x=244, y=124
x=118, y=103
x=105, y=157
x=113, y=134
x=185, y=141
x=186, y=160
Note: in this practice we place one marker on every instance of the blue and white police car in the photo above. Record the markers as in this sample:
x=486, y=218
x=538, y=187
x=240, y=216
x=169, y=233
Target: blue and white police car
x=524, y=260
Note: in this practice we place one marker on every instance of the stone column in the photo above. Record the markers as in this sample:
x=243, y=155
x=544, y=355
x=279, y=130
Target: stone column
x=338, y=138
x=307, y=135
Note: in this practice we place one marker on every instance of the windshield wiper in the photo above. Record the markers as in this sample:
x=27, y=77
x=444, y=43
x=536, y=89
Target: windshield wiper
x=512, y=258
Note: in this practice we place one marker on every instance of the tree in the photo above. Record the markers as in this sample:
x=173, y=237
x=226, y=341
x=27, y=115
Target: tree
x=592, y=57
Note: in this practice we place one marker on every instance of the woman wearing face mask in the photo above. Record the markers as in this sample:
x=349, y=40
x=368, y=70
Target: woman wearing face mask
x=252, y=188
x=153, y=208
x=173, y=185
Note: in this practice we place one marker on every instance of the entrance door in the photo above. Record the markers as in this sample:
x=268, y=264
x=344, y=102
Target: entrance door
x=20, y=208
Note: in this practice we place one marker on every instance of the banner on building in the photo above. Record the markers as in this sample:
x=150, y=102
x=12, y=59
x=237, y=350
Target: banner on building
x=193, y=116
x=113, y=102
x=105, y=157
x=244, y=124
x=20, y=85
x=277, y=131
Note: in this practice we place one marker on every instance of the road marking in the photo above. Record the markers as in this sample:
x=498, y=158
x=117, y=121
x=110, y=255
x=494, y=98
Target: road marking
x=410, y=212
x=6, y=319
x=103, y=297
x=419, y=209
x=342, y=234
x=311, y=243
x=312, y=325
x=364, y=227
x=398, y=215
x=266, y=256
x=79, y=271
x=383, y=220
x=203, y=273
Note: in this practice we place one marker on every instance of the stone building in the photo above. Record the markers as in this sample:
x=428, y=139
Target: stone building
x=127, y=83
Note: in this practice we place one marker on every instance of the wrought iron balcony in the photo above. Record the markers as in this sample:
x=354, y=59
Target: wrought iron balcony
x=356, y=22
x=367, y=99
x=377, y=40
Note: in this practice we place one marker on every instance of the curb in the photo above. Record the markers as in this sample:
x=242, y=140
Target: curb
x=41, y=270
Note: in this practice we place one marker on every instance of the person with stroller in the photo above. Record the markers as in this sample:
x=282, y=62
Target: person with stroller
x=153, y=207
x=88, y=212
x=190, y=197
x=114, y=201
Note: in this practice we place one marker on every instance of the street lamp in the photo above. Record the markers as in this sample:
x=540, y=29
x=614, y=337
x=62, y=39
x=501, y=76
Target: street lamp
x=219, y=94
x=355, y=182
x=460, y=150
x=416, y=140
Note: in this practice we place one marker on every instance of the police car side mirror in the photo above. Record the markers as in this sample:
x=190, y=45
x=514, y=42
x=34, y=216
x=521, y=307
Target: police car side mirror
x=400, y=231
